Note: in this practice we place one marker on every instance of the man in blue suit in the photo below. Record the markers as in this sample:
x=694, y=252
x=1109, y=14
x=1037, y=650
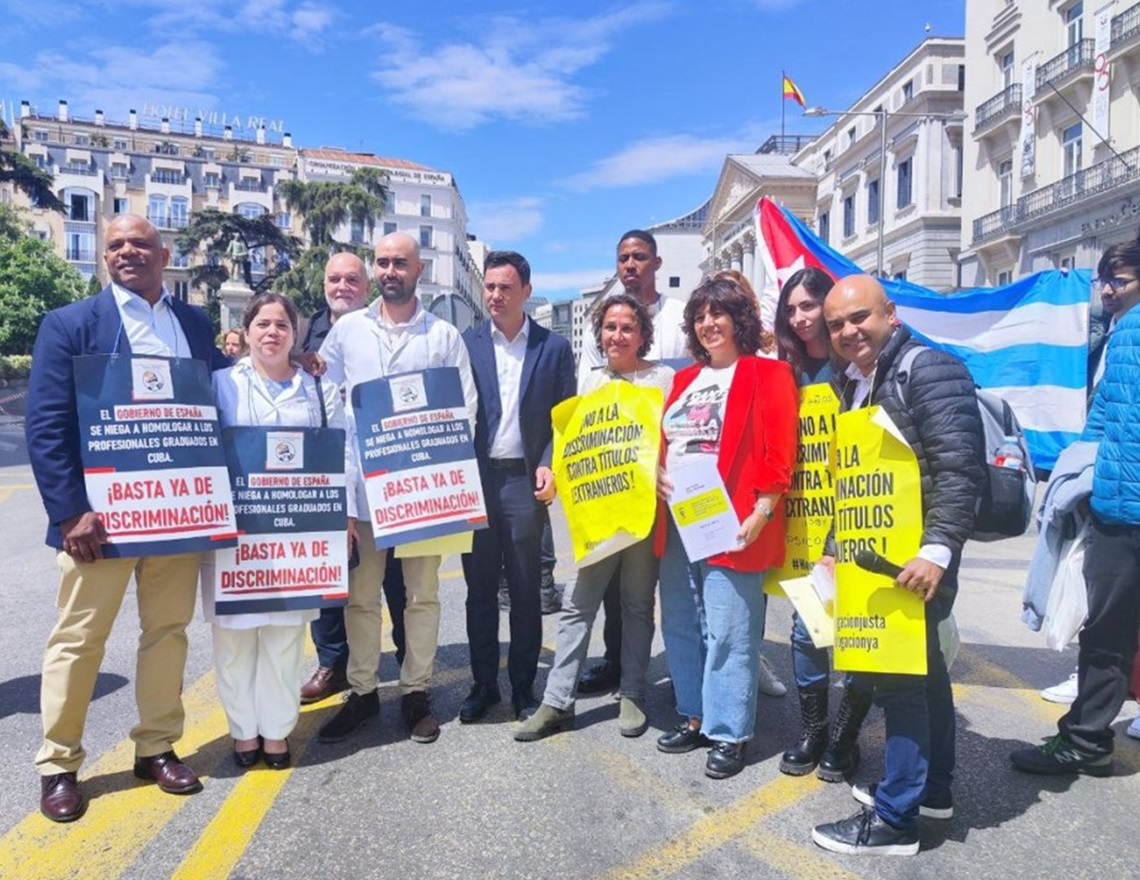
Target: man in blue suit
x=135, y=314
x=522, y=371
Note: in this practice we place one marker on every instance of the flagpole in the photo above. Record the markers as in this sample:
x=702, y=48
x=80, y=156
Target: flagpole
x=783, y=101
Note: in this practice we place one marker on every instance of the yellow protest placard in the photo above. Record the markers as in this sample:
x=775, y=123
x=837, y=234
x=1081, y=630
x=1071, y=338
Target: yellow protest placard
x=879, y=627
x=605, y=466
x=809, y=506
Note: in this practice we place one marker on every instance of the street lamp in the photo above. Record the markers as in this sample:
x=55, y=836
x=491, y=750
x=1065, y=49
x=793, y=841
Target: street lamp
x=883, y=116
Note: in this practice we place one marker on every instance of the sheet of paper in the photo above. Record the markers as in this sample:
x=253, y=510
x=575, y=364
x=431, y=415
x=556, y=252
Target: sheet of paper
x=820, y=624
x=702, y=510
x=445, y=546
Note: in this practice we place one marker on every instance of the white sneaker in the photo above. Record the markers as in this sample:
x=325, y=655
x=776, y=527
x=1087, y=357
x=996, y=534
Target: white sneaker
x=770, y=685
x=1065, y=692
x=1133, y=729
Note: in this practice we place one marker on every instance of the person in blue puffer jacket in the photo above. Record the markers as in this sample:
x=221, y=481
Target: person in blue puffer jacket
x=1108, y=642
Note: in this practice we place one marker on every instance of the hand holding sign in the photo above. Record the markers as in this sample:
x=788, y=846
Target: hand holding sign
x=82, y=536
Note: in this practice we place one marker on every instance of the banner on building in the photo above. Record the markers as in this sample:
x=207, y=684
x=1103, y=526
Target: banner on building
x=1027, y=140
x=153, y=463
x=417, y=457
x=879, y=627
x=289, y=498
x=1102, y=69
x=606, y=445
x=809, y=506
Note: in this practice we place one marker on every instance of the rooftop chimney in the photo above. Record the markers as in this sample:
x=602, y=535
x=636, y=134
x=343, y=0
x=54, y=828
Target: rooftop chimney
x=62, y=110
x=228, y=133
x=25, y=109
x=287, y=140
x=164, y=125
x=99, y=117
x=261, y=134
x=198, y=127
x=132, y=120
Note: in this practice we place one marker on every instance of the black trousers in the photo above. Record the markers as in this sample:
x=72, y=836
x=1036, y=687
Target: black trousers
x=1108, y=640
x=511, y=544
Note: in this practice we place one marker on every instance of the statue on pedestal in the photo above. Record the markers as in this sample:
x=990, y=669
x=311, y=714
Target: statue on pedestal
x=237, y=253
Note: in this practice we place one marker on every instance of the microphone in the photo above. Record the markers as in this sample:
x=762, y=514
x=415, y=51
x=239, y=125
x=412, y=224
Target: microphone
x=876, y=563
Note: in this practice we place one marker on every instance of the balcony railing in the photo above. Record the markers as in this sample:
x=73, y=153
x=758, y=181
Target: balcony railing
x=80, y=255
x=1100, y=178
x=248, y=185
x=1126, y=26
x=1077, y=57
x=785, y=144
x=167, y=176
x=991, y=224
x=1004, y=103
x=82, y=170
x=166, y=221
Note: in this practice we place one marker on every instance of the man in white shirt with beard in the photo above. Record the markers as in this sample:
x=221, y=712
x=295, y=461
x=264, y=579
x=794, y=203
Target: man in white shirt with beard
x=393, y=335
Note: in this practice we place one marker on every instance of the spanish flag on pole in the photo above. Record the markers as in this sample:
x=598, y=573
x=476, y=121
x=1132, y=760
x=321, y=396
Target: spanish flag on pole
x=791, y=90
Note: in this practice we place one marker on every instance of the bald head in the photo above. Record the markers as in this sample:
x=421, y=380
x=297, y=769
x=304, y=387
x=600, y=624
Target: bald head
x=398, y=268
x=860, y=320
x=134, y=255
x=346, y=284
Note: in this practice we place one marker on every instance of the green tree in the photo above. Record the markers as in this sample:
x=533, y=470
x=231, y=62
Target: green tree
x=33, y=281
x=94, y=285
x=325, y=206
x=26, y=176
x=216, y=229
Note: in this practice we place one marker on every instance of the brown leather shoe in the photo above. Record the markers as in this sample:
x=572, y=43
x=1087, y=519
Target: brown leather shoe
x=168, y=771
x=60, y=797
x=325, y=682
x=422, y=725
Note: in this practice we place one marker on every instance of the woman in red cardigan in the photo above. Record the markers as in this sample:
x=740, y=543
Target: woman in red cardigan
x=743, y=410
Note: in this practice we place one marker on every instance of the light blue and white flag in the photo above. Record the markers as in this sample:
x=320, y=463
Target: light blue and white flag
x=1027, y=341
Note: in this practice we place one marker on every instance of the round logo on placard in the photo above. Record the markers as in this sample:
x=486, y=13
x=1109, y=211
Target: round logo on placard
x=284, y=451
x=151, y=380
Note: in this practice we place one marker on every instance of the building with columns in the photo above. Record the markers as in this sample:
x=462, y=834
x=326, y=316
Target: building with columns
x=729, y=231
x=1053, y=152
x=426, y=204
x=890, y=172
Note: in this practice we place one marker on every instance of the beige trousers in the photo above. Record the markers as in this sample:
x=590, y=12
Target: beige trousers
x=362, y=617
x=90, y=595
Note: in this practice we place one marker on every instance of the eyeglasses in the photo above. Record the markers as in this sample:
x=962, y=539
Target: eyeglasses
x=1117, y=283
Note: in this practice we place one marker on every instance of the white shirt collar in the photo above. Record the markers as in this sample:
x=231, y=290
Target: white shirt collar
x=382, y=320
x=124, y=297
x=523, y=333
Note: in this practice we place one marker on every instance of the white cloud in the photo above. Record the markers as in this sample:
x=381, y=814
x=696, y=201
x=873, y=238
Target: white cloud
x=506, y=221
x=117, y=78
x=656, y=159
x=571, y=282
x=517, y=70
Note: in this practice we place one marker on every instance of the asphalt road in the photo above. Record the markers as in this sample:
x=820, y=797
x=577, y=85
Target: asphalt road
x=582, y=804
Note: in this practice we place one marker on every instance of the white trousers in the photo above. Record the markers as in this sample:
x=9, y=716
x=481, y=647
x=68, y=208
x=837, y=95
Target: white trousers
x=259, y=678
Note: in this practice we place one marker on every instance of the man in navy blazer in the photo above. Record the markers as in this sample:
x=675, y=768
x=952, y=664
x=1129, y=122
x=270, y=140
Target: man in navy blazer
x=522, y=371
x=135, y=314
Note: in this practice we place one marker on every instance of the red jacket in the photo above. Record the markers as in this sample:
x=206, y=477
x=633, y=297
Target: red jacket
x=757, y=453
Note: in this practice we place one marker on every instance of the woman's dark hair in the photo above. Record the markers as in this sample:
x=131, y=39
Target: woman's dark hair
x=721, y=296
x=261, y=301
x=644, y=322
x=789, y=346
x=1120, y=256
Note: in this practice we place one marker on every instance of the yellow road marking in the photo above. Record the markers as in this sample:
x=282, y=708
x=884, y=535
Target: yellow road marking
x=805, y=861
x=96, y=845
x=7, y=491
x=713, y=831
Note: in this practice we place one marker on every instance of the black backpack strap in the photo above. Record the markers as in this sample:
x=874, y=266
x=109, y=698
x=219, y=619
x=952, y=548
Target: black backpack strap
x=321, y=402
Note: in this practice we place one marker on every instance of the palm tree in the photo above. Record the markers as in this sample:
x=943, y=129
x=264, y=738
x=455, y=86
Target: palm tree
x=26, y=176
x=326, y=205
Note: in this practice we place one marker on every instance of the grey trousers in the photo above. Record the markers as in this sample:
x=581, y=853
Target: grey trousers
x=579, y=608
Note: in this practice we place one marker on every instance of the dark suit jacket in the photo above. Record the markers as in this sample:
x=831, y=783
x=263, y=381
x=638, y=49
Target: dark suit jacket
x=90, y=326
x=547, y=380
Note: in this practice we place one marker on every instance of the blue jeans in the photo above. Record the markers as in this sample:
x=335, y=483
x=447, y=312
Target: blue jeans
x=918, y=713
x=811, y=664
x=712, y=619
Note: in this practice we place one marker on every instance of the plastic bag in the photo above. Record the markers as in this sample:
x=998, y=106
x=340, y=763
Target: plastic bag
x=1068, y=605
x=949, y=640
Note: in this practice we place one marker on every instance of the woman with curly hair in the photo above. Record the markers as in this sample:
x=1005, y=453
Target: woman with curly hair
x=741, y=409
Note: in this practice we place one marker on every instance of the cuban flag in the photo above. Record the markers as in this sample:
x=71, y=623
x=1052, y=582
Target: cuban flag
x=1027, y=341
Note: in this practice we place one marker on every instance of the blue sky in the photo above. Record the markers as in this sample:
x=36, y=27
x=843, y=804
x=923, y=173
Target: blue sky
x=564, y=124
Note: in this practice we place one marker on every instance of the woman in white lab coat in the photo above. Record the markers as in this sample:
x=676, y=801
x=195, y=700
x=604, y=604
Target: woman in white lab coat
x=258, y=656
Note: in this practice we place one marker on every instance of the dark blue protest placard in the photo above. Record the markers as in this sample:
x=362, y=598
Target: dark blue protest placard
x=152, y=456
x=417, y=457
x=289, y=495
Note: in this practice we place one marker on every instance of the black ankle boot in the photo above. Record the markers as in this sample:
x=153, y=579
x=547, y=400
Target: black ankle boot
x=841, y=756
x=802, y=758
